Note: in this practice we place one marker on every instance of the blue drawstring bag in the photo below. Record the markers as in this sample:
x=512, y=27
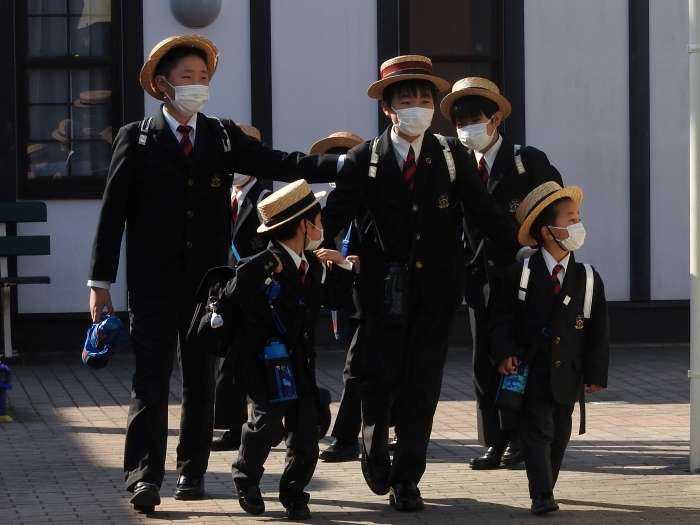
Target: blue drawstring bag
x=511, y=389
x=101, y=340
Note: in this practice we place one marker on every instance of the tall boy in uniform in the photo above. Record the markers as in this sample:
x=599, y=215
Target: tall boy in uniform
x=169, y=183
x=414, y=185
x=551, y=316
x=509, y=172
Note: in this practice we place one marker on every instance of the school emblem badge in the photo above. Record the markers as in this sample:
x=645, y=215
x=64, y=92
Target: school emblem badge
x=579, y=322
x=513, y=205
x=443, y=202
x=215, y=181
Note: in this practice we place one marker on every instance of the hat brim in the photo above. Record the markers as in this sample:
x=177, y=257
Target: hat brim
x=502, y=102
x=324, y=145
x=376, y=89
x=317, y=200
x=569, y=192
x=59, y=137
x=147, y=75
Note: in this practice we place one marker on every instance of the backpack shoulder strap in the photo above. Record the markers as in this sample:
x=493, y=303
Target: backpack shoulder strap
x=374, y=159
x=449, y=159
x=144, y=129
x=524, y=280
x=225, y=138
x=519, y=164
x=588, y=294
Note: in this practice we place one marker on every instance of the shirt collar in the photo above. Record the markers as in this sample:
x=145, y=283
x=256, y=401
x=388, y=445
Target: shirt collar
x=551, y=262
x=173, y=123
x=401, y=146
x=490, y=155
x=295, y=256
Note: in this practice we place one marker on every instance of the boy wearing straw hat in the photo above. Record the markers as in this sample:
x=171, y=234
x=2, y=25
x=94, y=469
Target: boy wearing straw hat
x=549, y=325
x=509, y=172
x=278, y=294
x=414, y=186
x=231, y=406
x=169, y=182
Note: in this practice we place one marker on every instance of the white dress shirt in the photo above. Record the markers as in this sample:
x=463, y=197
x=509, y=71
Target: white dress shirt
x=401, y=147
x=551, y=262
x=490, y=155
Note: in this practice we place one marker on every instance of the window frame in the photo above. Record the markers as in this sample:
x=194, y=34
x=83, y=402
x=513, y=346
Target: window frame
x=77, y=187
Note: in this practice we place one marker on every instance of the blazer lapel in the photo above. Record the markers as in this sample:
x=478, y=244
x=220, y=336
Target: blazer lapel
x=562, y=305
x=500, y=167
x=245, y=211
x=164, y=136
x=389, y=165
x=290, y=273
x=428, y=154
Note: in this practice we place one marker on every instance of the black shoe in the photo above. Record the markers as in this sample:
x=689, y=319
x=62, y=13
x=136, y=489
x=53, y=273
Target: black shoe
x=229, y=440
x=298, y=510
x=250, y=500
x=543, y=504
x=189, y=488
x=513, y=455
x=405, y=497
x=490, y=460
x=376, y=476
x=392, y=444
x=146, y=497
x=340, y=450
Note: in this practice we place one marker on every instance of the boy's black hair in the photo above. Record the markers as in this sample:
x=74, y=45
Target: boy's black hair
x=471, y=107
x=338, y=150
x=288, y=230
x=414, y=88
x=545, y=218
x=172, y=59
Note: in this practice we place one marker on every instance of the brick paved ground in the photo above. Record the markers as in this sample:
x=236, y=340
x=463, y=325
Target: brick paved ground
x=60, y=461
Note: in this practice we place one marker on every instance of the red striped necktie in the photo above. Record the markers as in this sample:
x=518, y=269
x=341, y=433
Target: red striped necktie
x=556, y=285
x=185, y=142
x=409, y=168
x=234, y=208
x=302, y=271
x=483, y=171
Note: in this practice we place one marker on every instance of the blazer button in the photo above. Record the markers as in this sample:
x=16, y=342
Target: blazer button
x=418, y=237
x=557, y=364
x=419, y=265
x=415, y=207
x=557, y=340
x=190, y=213
x=190, y=182
x=188, y=244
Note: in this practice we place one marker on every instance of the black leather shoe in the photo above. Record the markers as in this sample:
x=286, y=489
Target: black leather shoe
x=376, y=476
x=146, y=497
x=340, y=450
x=513, y=455
x=392, y=444
x=298, y=510
x=229, y=440
x=250, y=500
x=405, y=497
x=189, y=488
x=543, y=504
x=490, y=460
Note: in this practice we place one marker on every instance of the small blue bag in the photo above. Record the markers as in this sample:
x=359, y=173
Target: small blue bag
x=281, y=385
x=511, y=389
x=101, y=340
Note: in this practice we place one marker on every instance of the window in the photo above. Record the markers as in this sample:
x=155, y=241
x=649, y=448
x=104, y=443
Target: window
x=68, y=84
x=462, y=38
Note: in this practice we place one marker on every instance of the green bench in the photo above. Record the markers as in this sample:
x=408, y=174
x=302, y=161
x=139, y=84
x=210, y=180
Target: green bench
x=14, y=246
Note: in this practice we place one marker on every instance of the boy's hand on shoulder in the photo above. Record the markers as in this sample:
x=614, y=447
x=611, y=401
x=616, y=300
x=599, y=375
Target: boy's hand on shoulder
x=592, y=389
x=329, y=256
x=509, y=366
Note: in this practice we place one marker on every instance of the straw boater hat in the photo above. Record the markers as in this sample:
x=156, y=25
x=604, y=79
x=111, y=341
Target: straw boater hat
x=287, y=203
x=147, y=76
x=89, y=99
x=251, y=131
x=475, y=86
x=405, y=67
x=339, y=139
x=536, y=201
x=62, y=131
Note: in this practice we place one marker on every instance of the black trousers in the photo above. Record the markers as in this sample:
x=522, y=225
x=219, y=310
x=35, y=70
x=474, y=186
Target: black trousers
x=158, y=327
x=485, y=377
x=404, y=367
x=349, y=418
x=231, y=406
x=545, y=430
x=294, y=421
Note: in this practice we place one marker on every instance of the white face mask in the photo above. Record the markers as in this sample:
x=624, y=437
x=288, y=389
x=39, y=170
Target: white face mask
x=474, y=136
x=189, y=99
x=241, y=180
x=414, y=121
x=576, y=238
x=310, y=244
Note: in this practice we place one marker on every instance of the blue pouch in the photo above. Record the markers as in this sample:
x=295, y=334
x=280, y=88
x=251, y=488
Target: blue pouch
x=511, y=389
x=101, y=340
x=281, y=385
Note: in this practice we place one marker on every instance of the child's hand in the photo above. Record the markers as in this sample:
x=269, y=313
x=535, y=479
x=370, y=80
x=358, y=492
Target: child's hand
x=508, y=366
x=329, y=256
x=592, y=389
x=355, y=260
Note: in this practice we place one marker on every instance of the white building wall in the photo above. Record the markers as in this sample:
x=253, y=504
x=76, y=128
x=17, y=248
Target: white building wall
x=668, y=46
x=71, y=224
x=324, y=55
x=576, y=93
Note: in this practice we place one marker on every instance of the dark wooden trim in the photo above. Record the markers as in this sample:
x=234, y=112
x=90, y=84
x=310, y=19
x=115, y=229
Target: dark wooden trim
x=639, y=152
x=132, y=107
x=261, y=67
x=513, y=66
x=388, y=45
